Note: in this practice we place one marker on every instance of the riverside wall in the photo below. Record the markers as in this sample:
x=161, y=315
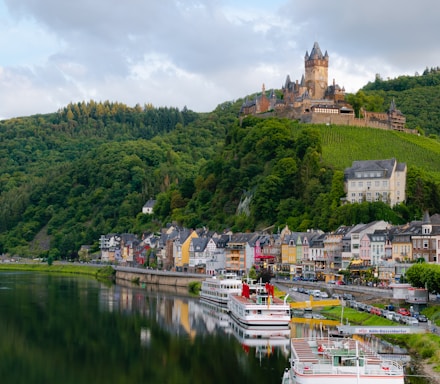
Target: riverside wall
x=151, y=276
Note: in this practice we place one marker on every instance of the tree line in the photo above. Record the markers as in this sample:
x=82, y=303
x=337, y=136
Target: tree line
x=68, y=177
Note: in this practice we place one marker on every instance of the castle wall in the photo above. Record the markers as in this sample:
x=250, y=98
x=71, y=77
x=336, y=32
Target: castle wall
x=347, y=119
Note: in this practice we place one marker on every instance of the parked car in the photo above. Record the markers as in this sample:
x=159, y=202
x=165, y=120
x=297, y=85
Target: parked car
x=411, y=320
x=376, y=311
x=390, y=315
x=324, y=295
x=404, y=312
x=339, y=282
x=422, y=318
x=348, y=296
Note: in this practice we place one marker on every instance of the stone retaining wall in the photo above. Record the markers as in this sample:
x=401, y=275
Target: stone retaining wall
x=151, y=276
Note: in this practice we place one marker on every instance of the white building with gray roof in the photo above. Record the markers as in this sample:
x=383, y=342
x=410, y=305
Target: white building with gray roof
x=376, y=180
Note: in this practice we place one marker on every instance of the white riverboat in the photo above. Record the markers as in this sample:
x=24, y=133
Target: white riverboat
x=339, y=361
x=218, y=288
x=257, y=305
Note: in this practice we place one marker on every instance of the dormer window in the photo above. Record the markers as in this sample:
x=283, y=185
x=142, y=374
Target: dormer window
x=426, y=230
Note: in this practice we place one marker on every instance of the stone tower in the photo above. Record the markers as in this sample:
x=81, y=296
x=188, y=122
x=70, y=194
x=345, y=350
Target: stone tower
x=316, y=72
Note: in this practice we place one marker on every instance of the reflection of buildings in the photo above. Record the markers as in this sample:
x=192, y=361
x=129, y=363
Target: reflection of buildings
x=174, y=311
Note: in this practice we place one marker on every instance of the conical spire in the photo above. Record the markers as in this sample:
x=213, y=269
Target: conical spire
x=426, y=218
x=393, y=105
x=316, y=52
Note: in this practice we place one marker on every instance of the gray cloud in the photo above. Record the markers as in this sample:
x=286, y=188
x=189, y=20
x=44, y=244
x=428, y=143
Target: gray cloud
x=201, y=53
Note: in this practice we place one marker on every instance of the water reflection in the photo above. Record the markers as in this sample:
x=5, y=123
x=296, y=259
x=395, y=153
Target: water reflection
x=61, y=329
x=186, y=316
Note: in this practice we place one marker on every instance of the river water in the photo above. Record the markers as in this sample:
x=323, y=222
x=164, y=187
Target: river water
x=69, y=329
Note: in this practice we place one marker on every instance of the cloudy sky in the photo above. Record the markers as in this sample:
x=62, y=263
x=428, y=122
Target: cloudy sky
x=199, y=53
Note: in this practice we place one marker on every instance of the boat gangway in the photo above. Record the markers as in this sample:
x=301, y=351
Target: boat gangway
x=315, y=321
x=379, y=330
x=310, y=304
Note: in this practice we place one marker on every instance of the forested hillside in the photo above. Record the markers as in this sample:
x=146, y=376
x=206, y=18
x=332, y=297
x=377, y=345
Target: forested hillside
x=278, y=172
x=67, y=178
x=418, y=97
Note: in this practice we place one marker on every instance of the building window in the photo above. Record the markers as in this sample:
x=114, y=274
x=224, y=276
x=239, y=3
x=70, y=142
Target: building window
x=353, y=183
x=385, y=183
x=360, y=184
x=368, y=183
x=377, y=183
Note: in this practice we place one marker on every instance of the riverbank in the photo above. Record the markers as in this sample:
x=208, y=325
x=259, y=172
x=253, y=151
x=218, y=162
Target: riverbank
x=69, y=268
x=426, y=347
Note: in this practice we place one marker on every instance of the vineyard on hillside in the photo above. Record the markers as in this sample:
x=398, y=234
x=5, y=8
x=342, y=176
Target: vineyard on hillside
x=342, y=144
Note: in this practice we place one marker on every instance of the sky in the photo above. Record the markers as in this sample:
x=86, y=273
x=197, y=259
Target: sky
x=200, y=53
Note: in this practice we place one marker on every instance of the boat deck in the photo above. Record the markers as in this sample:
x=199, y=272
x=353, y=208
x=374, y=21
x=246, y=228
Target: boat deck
x=254, y=300
x=303, y=351
x=339, y=353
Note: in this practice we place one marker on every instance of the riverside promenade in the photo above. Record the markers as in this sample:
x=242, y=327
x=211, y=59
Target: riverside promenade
x=157, y=277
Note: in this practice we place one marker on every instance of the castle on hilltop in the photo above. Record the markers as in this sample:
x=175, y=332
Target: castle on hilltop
x=313, y=100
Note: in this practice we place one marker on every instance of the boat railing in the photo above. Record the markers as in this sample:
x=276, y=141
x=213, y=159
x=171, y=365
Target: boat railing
x=386, y=368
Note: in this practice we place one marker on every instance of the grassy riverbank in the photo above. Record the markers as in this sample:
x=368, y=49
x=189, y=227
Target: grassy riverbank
x=425, y=346
x=70, y=268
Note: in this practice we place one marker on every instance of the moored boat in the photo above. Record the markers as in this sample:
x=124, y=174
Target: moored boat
x=217, y=289
x=339, y=361
x=257, y=305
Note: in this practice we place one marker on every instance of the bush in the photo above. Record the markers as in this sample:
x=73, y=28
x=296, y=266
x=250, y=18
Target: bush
x=194, y=287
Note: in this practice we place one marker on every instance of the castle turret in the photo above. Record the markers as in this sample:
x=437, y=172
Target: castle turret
x=316, y=72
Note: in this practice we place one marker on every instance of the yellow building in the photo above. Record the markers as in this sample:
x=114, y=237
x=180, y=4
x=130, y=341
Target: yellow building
x=181, y=250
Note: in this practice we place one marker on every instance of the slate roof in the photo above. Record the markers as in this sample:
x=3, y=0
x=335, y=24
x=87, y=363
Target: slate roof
x=385, y=167
x=199, y=244
x=316, y=53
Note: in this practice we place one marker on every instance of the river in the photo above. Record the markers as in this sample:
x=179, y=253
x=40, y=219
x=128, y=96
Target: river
x=68, y=329
x=72, y=329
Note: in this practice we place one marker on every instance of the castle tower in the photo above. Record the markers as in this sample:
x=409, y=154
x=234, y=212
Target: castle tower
x=316, y=72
